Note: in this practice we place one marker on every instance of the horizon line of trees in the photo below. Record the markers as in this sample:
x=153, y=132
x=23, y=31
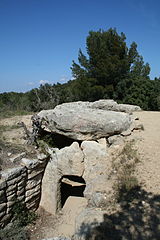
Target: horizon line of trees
x=111, y=70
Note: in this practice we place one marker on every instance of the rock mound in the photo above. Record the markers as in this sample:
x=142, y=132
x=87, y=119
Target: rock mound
x=88, y=121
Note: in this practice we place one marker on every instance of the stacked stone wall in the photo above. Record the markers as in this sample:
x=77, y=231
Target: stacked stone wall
x=21, y=184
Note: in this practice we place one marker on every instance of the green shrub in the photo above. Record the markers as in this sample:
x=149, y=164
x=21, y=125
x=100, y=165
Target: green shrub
x=124, y=167
x=16, y=229
x=21, y=215
x=14, y=232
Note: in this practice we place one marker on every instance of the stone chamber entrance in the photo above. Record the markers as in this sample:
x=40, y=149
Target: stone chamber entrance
x=71, y=185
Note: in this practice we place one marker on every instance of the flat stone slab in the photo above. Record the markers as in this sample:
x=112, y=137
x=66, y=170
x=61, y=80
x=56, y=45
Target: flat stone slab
x=81, y=122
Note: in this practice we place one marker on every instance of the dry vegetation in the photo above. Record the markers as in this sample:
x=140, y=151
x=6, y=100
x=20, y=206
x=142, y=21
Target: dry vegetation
x=123, y=166
x=12, y=141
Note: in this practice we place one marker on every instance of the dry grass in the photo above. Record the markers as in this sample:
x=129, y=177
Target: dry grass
x=124, y=168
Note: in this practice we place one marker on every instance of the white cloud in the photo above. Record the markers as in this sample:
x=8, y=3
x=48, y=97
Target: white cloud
x=63, y=79
x=30, y=83
x=43, y=82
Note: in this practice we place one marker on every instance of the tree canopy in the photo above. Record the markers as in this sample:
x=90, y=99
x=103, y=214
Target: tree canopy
x=113, y=69
x=110, y=69
x=109, y=59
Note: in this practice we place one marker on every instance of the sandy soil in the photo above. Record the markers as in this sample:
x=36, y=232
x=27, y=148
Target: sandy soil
x=148, y=144
x=62, y=224
x=15, y=135
x=13, y=141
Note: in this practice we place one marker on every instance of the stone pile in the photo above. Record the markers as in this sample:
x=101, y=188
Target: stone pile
x=21, y=184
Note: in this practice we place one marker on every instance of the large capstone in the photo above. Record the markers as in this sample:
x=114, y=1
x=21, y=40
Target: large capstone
x=81, y=122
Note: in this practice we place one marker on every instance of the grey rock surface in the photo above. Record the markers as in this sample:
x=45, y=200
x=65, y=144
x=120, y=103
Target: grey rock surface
x=107, y=104
x=17, y=157
x=97, y=166
x=57, y=238
x=80, y=122
x=87, y=221
x=70, y=160
x=115, y=140
x=128, y=108
x=65, y=161
x=95, y=160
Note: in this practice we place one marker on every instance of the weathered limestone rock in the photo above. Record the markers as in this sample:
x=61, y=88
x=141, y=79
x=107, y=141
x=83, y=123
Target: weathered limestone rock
x=70, y=160
x=30, y=163
x=50, y=186
x=3, y=184
x=95, y=160
x=2, y=197
x=17, y=179
x=66, y=161
x=128, y=108
x=99, y=199
x=99, y=191
x=12, y=173
x=91, y=161
x=126, y=133
x=41, y=156
x=11, y=198
x=57, y=238
x=17, y=157
x=10, y=204
x=103, y=142
x=32, y=183
x=21, y=198
x=34, y=166
x=2, y=214
x=34, y=191
x=33, y=173
x=116, y=140
x=32, y=203
x=111, y=105
x=11, y=190
x=97, y=164
x=5, y=219
x=22, y=183
x=104, y=104
x=84, y=123
x=86, y=223
x=3, y=207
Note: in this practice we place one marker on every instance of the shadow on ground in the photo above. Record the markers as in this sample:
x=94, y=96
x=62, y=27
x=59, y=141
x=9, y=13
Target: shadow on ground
x=139, y=219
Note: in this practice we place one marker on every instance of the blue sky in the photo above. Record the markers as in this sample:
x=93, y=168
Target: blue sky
x=40, y=38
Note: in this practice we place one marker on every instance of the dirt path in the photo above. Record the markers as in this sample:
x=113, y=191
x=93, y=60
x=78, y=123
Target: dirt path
x=149, y=149
x=62, y=224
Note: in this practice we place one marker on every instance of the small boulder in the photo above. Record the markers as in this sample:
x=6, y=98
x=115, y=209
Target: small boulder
x=107, y=104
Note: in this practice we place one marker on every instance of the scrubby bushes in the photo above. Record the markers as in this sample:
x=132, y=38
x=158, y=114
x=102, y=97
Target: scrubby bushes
x=16, y=229
x=124, y=167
